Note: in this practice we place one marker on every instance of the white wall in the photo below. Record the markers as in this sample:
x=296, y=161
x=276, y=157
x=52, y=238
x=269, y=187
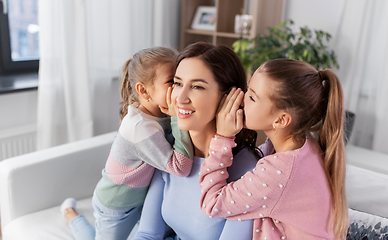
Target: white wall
x=18, y=109
x=316, y=14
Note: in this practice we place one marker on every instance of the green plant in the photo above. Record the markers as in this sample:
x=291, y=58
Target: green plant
x=282, y=42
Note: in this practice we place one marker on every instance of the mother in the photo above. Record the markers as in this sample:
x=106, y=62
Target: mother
x=204, y=74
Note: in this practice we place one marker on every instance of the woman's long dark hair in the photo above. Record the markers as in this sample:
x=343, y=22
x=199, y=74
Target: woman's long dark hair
x=228, y=72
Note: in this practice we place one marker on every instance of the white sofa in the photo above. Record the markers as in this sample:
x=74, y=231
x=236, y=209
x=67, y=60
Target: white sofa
x=33, y=186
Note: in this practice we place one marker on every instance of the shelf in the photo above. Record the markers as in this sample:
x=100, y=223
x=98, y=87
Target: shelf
x=230, y=35
x=265, y=13
x=200, y=32
x=217, y=34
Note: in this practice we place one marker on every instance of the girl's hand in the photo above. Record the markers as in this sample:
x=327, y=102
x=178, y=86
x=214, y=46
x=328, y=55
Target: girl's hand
x=230, y=117
x=170, y=110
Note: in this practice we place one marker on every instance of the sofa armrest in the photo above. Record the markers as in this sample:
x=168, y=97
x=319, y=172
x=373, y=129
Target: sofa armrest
x=366, y=158
x=43, y=179
x=367, y=191
x=367, y=180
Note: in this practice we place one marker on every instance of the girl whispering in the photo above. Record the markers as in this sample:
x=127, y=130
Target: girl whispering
x=139, y=147
x=297, y=191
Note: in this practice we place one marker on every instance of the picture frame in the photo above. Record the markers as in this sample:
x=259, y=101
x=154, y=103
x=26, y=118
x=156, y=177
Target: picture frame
x=205, y=18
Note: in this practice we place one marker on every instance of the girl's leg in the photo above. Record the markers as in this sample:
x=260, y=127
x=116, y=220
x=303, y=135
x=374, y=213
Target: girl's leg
x=79, y=226
x=114, y=224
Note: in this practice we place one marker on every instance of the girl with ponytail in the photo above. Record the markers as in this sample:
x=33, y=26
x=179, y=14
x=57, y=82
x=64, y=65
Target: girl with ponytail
x=140, y=146
x=297, y=191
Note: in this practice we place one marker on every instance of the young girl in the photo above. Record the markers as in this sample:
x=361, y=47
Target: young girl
x=139, y=147
x=298, y=191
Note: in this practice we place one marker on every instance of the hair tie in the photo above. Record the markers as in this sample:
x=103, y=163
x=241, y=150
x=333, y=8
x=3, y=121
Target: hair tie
x=320, y=74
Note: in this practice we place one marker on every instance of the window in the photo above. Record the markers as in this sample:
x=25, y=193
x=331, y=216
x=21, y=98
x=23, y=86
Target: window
x=19, y=36
x=19, y=40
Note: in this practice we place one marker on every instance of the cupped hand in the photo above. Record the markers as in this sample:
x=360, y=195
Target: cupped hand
x=170, y=109
x=230, y=117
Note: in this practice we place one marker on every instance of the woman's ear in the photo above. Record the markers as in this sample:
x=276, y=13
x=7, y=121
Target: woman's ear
x=283, y=121
x=142, y=91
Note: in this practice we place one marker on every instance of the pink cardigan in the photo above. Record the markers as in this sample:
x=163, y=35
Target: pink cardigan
x=287, y=194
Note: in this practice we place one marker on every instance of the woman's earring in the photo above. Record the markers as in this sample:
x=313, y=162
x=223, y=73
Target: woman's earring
x=273, y=127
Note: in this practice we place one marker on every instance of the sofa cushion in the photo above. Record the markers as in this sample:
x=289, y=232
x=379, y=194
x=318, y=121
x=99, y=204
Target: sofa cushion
x=366, y=226
x=49, y=224
x=46, y=224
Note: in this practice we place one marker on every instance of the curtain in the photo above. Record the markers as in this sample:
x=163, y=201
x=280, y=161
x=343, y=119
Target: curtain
x=83, y=46
x=361, y=43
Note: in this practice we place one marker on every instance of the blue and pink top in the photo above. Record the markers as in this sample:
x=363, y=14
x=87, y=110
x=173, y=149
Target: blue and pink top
x=140, y=146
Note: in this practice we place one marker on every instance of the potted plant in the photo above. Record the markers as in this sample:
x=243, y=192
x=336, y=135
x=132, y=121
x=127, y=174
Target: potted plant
x=282, y=42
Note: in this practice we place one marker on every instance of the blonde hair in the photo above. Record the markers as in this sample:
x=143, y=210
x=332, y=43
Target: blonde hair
x=315, y=100
x=141, y=67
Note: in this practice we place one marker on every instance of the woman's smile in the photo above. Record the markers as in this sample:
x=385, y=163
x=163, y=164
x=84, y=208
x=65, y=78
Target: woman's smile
x=184, y=112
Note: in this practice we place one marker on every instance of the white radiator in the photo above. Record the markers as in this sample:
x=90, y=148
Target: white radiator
x=17, y=141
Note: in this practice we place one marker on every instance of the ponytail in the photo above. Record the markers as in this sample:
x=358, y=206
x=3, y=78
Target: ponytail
x=127, y=97
x=331, y=140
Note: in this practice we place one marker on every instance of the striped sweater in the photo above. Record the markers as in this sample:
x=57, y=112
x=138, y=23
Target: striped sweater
x=139, y=147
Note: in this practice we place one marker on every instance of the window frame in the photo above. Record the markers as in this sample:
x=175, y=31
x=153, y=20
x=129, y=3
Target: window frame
x=13, y=72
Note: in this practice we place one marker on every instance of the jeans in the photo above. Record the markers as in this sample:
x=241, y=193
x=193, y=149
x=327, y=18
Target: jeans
x=110, y=224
